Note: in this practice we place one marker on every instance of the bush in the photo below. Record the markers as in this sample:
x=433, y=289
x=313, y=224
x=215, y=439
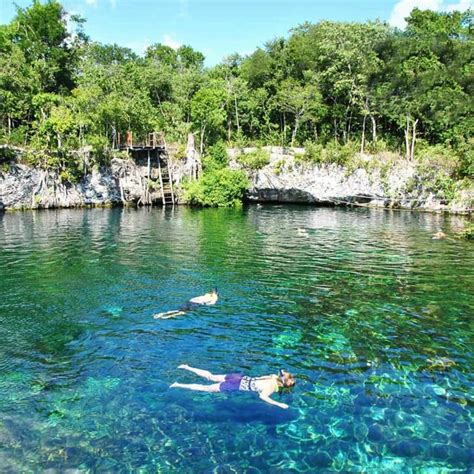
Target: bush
x=100, y=149
x=333, y=153
x=466, y=156
x=216, y=158
x=313, y=153
x=218, y=188
x=278, y=167
x=7, y=154
x=340, y=154
x=255, y=160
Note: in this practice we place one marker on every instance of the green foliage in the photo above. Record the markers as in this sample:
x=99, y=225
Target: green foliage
x=327, y=85
x=254, y=160
x=100, y=150
x=216, y=158
x=218, y=188
x=332, y=153
x=313, y=154
x=278, y=166
x=7, y=154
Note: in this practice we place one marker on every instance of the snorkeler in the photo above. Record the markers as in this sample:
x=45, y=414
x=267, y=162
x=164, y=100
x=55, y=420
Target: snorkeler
x=206, y=300
x=264, y=386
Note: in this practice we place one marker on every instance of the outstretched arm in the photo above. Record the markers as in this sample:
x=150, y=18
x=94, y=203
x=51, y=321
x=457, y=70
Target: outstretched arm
x=266, y=398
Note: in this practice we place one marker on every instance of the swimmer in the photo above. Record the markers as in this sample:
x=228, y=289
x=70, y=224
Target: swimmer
x=264, y=386
x=204, y=300
x=439, y=235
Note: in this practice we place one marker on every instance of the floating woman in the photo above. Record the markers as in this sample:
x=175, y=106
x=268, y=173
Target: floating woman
x=265, y=386
x=204, y=300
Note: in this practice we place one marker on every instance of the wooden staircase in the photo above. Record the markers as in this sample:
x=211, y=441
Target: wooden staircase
x=166, y=182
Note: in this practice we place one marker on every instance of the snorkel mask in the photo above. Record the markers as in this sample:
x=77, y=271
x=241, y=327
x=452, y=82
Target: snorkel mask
x=281, y=375
x=283, y=380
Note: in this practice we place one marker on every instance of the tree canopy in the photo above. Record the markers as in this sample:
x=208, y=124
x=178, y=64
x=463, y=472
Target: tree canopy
x=327, y=82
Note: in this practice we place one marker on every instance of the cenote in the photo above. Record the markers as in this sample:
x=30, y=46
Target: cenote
x=372, y=316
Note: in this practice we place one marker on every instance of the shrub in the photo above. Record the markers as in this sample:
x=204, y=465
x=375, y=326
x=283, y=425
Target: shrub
x=255, y=160
x=332, y=153
x=278, y=167
x=313, y=153
x=7, y=154
x=100, y=149
x=216, y=158
x=218, y=188
x=340, y=154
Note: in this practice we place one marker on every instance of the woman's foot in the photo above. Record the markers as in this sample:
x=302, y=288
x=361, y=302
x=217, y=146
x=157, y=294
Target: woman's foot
x=183, y=366
x=174, y=385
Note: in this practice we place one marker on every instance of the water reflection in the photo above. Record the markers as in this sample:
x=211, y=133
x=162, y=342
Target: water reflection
x=355, y=302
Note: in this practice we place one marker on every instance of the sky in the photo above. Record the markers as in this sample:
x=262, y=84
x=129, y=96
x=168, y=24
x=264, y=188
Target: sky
x=218, y=28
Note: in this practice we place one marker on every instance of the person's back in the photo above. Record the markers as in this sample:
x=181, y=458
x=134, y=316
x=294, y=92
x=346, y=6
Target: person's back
x=203, y=300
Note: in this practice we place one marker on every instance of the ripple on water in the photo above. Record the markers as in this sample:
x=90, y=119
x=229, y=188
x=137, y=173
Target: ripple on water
x=361, y=305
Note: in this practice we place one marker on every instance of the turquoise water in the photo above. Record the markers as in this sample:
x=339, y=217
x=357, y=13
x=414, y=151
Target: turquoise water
x=373, y=317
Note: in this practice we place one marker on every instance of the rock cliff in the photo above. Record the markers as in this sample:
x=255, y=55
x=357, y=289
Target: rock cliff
x=287, y=179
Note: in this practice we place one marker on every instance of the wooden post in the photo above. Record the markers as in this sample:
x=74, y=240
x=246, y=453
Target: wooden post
x=148, y=179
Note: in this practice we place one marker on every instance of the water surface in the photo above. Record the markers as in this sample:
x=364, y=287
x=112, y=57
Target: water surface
x=373, y=316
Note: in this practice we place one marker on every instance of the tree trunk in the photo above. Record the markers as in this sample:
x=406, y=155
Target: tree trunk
x=374, y=128
x=362, y=142
x=295, y=130
x=236, y=114
x=201, y=145
x=229, y=128
x=413, y=139
x=407, y=139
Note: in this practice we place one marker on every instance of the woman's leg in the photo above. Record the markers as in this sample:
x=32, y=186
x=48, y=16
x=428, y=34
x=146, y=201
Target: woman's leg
x=196, y=386
x=203, y=373
x=169, y=314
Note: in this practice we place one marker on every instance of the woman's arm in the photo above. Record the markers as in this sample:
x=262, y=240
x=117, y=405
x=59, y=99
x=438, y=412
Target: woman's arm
x=266, y=398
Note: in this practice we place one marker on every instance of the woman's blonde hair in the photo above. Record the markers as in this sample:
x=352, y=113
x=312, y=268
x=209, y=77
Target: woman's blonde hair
x=287, y=379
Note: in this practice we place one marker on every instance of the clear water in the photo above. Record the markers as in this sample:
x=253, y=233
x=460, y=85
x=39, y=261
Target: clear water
x=356, y=303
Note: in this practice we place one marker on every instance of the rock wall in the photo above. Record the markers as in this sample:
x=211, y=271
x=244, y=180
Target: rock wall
x=123, y=183
x=285, y=179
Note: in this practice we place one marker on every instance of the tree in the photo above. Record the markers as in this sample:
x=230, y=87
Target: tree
x=208, y=111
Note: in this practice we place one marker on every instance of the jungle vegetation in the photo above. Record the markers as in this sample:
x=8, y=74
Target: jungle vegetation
x=342, y=87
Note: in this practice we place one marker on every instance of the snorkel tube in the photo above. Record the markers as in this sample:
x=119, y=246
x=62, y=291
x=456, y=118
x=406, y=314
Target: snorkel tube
x=281, y=375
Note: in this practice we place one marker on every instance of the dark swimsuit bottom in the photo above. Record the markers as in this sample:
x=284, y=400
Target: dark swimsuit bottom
x=234, y=382
x=189, y=306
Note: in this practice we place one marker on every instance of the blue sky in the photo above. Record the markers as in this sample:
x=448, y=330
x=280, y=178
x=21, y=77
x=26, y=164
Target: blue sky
x=218, y=28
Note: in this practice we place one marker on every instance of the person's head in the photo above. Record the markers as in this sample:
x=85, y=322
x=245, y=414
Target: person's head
x=214, y=292
x=286, y=379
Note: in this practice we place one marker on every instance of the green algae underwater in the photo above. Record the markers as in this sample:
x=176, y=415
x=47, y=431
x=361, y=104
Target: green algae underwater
x=373, y=317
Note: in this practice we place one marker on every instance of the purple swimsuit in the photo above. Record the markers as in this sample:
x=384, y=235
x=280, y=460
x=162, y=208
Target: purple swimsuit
x=231, y=383
x=234, y=382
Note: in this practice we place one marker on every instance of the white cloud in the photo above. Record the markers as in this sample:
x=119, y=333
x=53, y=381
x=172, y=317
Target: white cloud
x=91, y=2
x=168, y=40
x=404, y=7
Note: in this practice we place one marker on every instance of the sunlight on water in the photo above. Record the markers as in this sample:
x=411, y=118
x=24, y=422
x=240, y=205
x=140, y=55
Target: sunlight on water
x=372, y=315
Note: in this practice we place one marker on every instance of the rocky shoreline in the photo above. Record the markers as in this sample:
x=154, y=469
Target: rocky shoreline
x=283, y=180
x=287, y=180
